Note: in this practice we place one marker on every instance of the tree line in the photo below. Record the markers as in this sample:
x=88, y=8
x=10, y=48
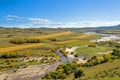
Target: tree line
x=24, y=40
x=63, y=70
x=13, y=54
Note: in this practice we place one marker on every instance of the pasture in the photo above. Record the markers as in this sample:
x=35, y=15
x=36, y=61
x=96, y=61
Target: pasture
x=88, y=52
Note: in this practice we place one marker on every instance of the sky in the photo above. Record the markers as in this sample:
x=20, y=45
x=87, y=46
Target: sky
x=59, y=13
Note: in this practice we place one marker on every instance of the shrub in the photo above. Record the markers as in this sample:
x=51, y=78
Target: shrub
x=107, y=57
x=78, y=73
x=11, y=55
x=116, y=52
x=63, y=70
x=22, y=40
x=52, y=39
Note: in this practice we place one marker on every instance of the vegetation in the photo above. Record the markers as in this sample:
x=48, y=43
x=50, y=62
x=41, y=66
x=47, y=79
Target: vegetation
x=11, y=55
x=99, y=60
x=21, y=41
x=116, y=52
x=23, y=47
x=109, y=74
x=63, y=70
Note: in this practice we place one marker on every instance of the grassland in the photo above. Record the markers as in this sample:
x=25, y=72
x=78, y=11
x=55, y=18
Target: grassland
x=45, y=47
x=53, y=35
x=19, y=47
x=58, y=42
x=91, y=71
x=50, y=40
x=84, y=36
x=94, y=51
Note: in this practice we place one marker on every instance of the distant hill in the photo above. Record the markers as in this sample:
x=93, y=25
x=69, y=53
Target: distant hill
x=102, y=29
x=116, y=27
x=1, y=27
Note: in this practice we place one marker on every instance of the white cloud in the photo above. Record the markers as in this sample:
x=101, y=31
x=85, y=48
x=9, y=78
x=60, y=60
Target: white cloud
x=13, y=17
x=70, y=24
x=40, y=22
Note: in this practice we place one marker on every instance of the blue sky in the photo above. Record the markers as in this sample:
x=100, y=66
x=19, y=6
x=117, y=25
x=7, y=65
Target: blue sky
x=59, y=13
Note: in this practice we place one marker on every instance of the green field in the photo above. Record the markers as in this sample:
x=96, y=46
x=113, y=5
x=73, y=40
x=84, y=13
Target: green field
x=42, y=49
x=16, y=56
x=90, y=72
x=93, y=51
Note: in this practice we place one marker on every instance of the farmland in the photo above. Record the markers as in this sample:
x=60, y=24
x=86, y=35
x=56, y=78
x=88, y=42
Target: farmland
x=24, y=46
x=59, y=40
x=14, y=48
x=37, y=47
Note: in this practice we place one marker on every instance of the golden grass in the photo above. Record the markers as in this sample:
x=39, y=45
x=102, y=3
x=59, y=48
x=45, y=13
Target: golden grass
x=78, y=37
x=14, y=48
x=84, y=36
x=63, y=42
x=53, y=35
x=25, y=46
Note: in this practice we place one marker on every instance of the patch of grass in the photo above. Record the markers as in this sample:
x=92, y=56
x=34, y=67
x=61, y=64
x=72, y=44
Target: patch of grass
x=91, y=71
x=93, y=51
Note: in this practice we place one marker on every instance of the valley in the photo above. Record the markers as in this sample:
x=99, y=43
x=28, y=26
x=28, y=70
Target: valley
x=34, y=60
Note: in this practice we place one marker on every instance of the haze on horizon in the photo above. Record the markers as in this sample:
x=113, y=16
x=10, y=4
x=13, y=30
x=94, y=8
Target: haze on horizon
x=59, y=13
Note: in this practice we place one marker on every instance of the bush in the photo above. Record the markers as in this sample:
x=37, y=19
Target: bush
x=22, y=40
x=94, y=60
x=17, y=41
x=92, y=45
x=52, y=39
x=116, y=52
x=78, y=73
x=107, y=57
x=63, y=70
x=76, y=55
x=11, y=55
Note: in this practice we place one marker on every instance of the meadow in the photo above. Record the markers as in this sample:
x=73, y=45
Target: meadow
x=21, y=55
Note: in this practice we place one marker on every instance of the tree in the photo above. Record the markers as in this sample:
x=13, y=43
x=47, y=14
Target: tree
x=107, y=57
x=116, y=52
x=100, y=60
x=94, y=57
x=68, y=69
x=78, y=73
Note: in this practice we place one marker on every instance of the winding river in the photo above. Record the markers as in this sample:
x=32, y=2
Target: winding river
x=53, y=67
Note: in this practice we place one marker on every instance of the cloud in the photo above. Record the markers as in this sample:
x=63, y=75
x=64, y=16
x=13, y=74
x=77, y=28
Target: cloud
x=43, y=22
x=39, y=20
x=13, y=17
x=70, y=24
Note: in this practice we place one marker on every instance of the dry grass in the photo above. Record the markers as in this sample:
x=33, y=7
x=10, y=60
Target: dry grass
x=63, y=42
x=53, y=35
x=20, y=47
x=78, y=37
x=84, y=36
x=25, y=46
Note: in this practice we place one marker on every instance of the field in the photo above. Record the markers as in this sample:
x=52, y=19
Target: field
x=92, y=71
x=102, y=67
x=17, y=56
x=53, y=35
x=59, y=36
x=20, y=47
x=94, y=51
